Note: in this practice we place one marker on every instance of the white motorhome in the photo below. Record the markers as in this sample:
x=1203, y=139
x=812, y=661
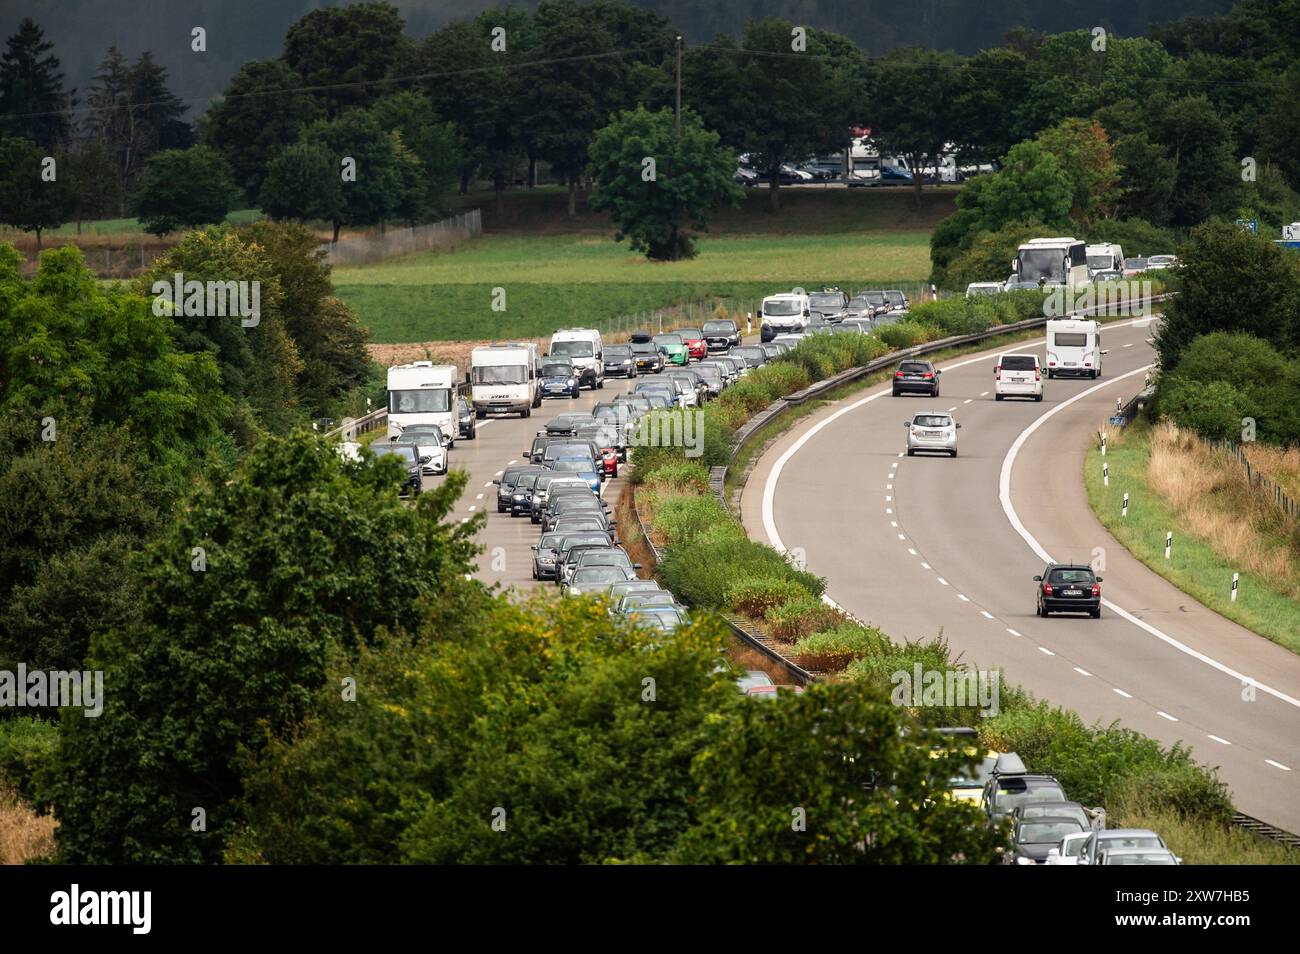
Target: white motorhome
x=1104, y=258
x=1074, y=347
x=421, y=393
x=585, y=348
x=505, y=379
x=784, y=314
x=1051, y=261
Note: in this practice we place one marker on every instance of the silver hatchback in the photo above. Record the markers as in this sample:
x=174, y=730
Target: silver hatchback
x=931, y=431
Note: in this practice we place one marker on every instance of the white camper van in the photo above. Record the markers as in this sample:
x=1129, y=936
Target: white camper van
x=505, y=379
x=1051, y=261
x=421, y=393
x=584, y=347
x=1105, y=258
x=1074, y=347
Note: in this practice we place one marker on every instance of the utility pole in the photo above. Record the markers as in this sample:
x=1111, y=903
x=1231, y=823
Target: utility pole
x=679, y=88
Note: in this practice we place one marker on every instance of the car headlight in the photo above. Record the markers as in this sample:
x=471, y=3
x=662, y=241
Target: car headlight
x=570, y=382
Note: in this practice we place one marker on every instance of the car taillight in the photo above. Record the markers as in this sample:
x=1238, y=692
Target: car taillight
x=1038, y=375
x=1096, y=590
x=1047, y=589
x=997, y=373
x=898, y=374
x=928, y=374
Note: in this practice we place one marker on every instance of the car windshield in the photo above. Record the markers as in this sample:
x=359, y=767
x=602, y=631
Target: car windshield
x=419, y=401
x=550, y=541
x=718, y=327
x=525, y=482
x=643, y=347
x=1100, y=262
x=556, y=370
x=1064, y=577
x=897, y=297
x=422, y=433
x=607, y=558
x=556, y=450
x=574, y=465
x=875, y=297
x=1044, y=263
x=931, y=420
x=687, y=334
x=573, y=349
x=1106, y=843
x=1141, y=858
x=974, y=777
x=1018, y=362
x=1046, y=833
x=405, y=451
x=499, y=374
x=1013, y=792
x=782, y=306
x=599, y=574
x=826, y=298
x=913, y=367
x=617, y=351
x=668, y=339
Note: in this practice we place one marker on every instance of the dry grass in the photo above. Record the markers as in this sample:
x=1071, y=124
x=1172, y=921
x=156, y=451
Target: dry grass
x=24, y=835
x=1210, y=494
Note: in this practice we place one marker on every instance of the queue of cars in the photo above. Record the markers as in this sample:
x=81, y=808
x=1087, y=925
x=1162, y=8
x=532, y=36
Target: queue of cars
x=799, y=312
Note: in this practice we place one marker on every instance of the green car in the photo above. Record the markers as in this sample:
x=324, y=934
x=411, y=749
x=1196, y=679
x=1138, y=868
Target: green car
x=673, y=347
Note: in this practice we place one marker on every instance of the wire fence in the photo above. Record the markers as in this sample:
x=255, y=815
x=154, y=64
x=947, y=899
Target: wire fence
x=1257, y=481
x=420, y=238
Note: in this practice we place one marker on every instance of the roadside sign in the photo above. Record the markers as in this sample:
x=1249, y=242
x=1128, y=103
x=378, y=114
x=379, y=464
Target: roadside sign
x=1118, y=420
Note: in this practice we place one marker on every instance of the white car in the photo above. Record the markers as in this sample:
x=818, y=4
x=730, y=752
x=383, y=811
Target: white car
x=1138, y=856
x=1068, y=851
x=1018, y=375
x=931, y=431
x=976, y=289
x=433, y=459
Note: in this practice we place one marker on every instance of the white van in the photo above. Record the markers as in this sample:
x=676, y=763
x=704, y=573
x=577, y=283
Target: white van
x=1105, y=258
x=1051, y=261
x=784, y=314
x=584, y=347
x=1017, y=375
x=505, y=379
x=1074, y=347
x=421, y=393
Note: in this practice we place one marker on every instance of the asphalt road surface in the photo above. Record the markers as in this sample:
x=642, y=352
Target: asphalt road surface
x=928, y=544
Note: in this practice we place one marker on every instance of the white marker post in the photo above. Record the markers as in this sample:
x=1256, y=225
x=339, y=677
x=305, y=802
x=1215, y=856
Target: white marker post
x=1169, y=543
x=1103, y=443
x=1234, y=587
x=749, y=322
x=1124, y=512
x=1105, y=474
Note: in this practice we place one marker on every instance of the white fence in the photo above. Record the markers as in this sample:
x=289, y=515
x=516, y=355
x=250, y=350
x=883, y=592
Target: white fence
x=420, y=238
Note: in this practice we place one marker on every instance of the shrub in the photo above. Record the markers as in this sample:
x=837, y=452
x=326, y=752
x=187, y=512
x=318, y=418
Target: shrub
x=681, y=517
x=791, y=621
x=27, y=745
x=783, y=377
x=755, y=597
x=681, y=476
x=833, y=649
x=700, y=570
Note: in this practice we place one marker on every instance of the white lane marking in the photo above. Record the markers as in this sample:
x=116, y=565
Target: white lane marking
x=901, y=537
x=1129, y=345
x=464, y=519
x=911, y=551
x=963, y=597
x=1220, y=741
x=1004, y=495
x=951, y=409
x=889, y=486
x=900, y=454
x=942, y=580
x=984, y=394
x=479, y=497
x=512, y=463
x=986, y=614
x=489, y=483
x=967, y=401
x=1046, y=651
x=1165, y=715
x=499, y=473
x=1121, y=692
x=1012, y=631
x=888, y=498
x=1277, y=765
x=926, y=565
x=472, y=508
x=1082, y=672
x=894, y=523
x=895, y=463
x=890, y=510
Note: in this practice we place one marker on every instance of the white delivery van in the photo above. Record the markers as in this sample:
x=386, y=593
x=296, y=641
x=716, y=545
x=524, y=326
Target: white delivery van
x=421, y=393
x=505, y=379
x=1017, y=375
x=784, y=314
x=1074, y=347
x=1105, y=258
x=584, y=347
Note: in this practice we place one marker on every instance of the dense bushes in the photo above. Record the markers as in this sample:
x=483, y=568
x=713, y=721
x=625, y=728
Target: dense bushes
x=754, y=597
x=701, y=571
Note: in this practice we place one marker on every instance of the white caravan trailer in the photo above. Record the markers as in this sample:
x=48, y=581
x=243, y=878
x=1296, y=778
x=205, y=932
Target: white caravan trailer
x=422, y=393
x=1074, y=347
x=505, y=379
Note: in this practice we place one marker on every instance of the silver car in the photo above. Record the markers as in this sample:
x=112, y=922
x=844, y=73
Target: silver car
x=931, y=431
x=1119, y=838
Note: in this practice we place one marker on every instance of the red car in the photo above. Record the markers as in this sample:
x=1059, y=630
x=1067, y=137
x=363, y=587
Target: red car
x=696, y=346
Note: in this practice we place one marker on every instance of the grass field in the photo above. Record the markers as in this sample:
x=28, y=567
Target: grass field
x=1219, y=528
x=552, y=281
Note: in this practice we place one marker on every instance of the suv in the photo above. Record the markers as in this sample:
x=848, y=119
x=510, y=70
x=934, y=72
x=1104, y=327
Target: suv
x=916, y=377
x=720, y=334
x=830, y=303
x=1012, y=785
x=1018, y=375
x=1068, y=588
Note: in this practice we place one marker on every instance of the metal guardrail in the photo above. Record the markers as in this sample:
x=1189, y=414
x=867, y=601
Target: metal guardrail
x=352, y=428
x=1265, y=830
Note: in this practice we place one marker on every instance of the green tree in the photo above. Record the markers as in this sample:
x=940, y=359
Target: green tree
x=303, y=183
x=917, y=92
x=1083, y=151
x=435, y=145
x=691, y=178
x=344, y=53
x=29, y=199
x=261, y=113
x=229, y=657
x=1278, y=125
x=1231, y=280
x=88, y=167
x=986, y=118
x=987, y=258
x=184, y=188
x=356, y=141
x=1031, y=185
x=33, y=103
x=1147, y=176
x=1207, y=176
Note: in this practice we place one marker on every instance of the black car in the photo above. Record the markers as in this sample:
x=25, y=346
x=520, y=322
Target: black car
x=466, y=425
x=752, y=355
x=830, y=304
x=897, y=300
x=619, y=361
x=506, y=484
x=916, y=377
x=560, y=378
x=1068, y=588
x=875, y=299
x=1012, y=785
x=521, y=498
x=647, y=357
x=1034, y=837
x=545, y=552
x=409, y=455
x=721, y=334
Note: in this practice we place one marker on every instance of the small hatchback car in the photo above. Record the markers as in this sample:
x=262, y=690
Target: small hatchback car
x=1068, y=588
x=931, y=431
x=1018, y=375
x=916, y=377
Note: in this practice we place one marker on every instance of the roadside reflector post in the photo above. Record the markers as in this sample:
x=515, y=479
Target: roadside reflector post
x=749, y=323
x=1169, y=543
x=1105, y=473
x=1124, y=512
x=1234, y=587
x=1103, y=443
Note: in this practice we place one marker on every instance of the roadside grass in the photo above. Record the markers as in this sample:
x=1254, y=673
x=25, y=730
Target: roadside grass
x=108, y=228
x=1178, y=484
x=1200, y=843
x=24, y=835
x=559, y=280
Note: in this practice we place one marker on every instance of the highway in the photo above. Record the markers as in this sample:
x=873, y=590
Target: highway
x=928, y=544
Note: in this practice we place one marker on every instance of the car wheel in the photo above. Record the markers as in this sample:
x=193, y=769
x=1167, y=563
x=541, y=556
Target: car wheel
x=480, y=415
x=998, y=397
x=895, y=392
x=954, y=452
x=1096, y=614
x=526, y=412
x=1051, y=375
x=1038, y=609
x=936, y=390
x=600, y=384
x=1038, y=397
x=910, y=452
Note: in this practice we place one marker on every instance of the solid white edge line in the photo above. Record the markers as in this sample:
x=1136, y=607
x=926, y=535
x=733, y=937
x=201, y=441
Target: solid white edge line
x=1278, y=765
x=1004, y=495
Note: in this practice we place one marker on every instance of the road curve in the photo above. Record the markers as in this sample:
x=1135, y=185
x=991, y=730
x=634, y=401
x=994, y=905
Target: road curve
x=923, y=545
